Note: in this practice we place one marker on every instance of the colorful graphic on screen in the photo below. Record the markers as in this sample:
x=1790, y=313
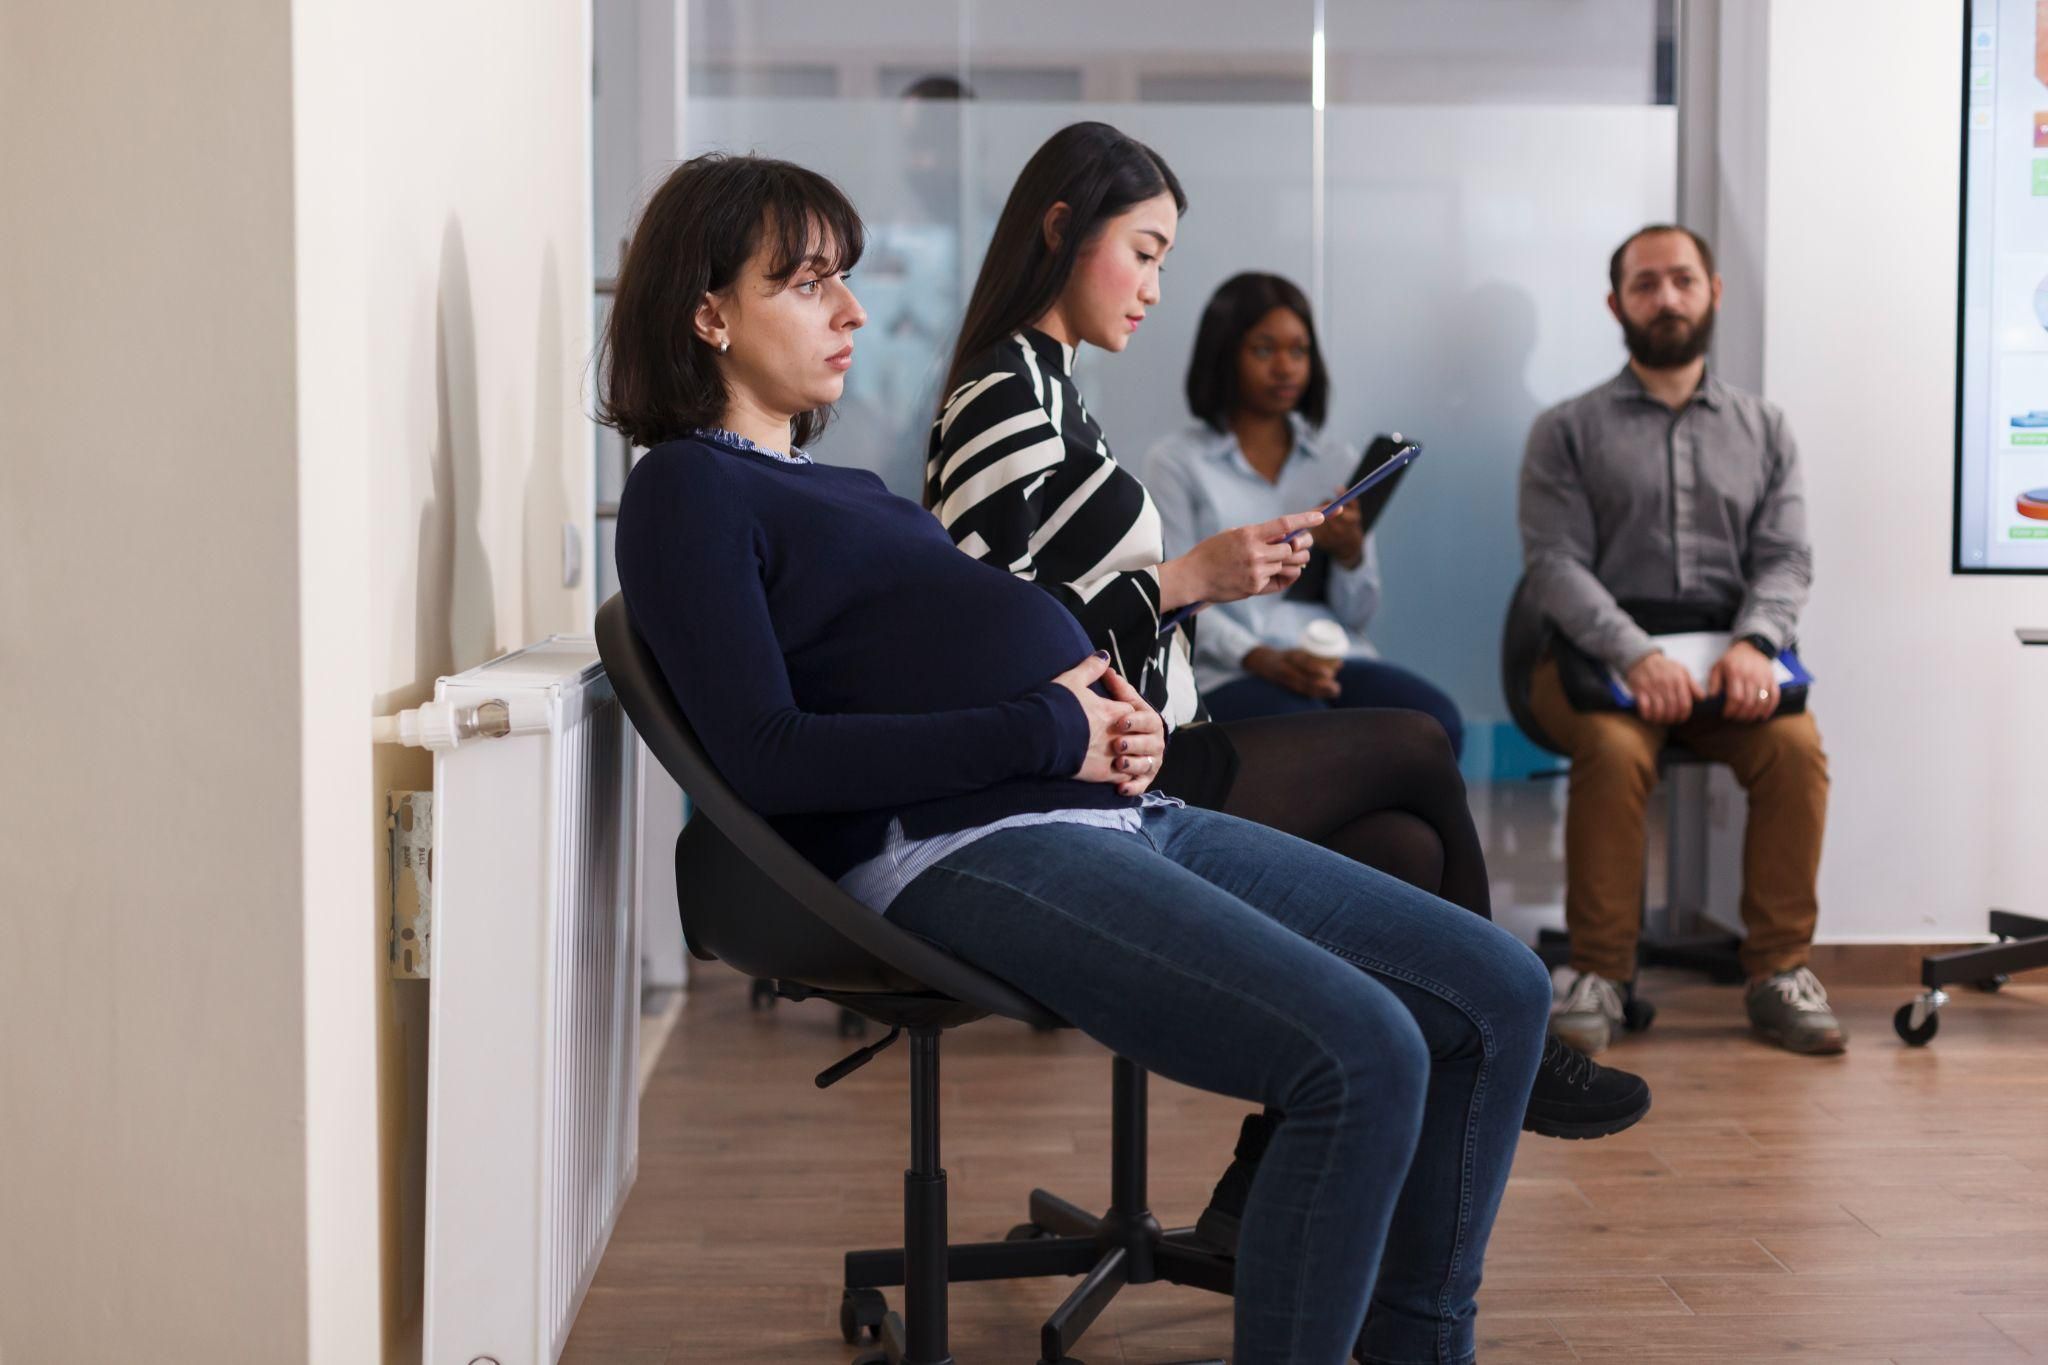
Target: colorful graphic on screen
x=2001, y=444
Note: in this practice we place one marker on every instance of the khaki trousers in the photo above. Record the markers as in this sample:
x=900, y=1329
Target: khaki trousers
x=1780, y=765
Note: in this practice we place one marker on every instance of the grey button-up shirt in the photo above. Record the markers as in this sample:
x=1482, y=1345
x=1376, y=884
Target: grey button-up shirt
x=1622, y=498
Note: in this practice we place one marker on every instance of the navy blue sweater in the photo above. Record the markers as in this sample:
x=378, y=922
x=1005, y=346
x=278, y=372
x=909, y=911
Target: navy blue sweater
x=841, y=661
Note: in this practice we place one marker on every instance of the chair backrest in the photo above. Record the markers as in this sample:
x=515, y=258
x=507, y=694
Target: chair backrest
x=1523, y=637
x=750, y=899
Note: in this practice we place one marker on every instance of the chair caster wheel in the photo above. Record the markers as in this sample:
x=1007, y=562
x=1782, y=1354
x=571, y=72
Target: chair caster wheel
x=861, y=1312
x=1025, y=1232
x=890, y=1334
x=1990, y=984
x=761, y=995
x=1637, y=1015
x=1921, y=1036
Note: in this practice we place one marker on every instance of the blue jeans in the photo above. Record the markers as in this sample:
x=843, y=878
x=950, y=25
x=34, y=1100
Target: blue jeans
x=1366, y=682
x=1398, y=1033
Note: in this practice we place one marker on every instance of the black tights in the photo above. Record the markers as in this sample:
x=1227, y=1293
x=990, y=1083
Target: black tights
x=1378, y=786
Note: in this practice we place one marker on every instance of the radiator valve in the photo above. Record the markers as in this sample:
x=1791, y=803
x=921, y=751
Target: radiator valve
x=443, y=725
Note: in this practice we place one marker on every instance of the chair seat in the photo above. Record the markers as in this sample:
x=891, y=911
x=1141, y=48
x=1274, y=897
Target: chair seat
x=892, y=1009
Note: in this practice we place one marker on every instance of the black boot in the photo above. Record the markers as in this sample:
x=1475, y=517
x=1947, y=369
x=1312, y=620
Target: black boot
x=1219, y=1222
x=1576, y=1097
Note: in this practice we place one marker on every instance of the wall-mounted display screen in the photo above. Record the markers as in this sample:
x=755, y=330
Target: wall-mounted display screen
x=2001, y=516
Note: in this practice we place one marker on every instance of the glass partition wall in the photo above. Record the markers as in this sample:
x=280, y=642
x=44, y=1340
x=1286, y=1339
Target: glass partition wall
x=1445, y=178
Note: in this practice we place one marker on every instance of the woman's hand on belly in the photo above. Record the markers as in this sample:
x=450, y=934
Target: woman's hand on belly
x=1140, y=737
x=1126, y=738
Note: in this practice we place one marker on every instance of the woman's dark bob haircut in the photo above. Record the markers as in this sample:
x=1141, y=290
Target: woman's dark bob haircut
x=1098, y=173
x=1234, y=309
x=657, y=380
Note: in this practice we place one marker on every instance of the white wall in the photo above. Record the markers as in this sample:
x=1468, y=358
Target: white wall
x=1924, y=698
x=477, y=222
x=447, y=194
x=152, y=1096
x=297, y=315
x=345, y=981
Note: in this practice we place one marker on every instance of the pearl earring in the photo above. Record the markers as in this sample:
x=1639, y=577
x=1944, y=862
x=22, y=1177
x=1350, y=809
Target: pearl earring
x=724, y=346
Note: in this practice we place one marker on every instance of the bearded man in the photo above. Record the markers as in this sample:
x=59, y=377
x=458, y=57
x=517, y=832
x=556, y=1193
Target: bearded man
x=1663, y=487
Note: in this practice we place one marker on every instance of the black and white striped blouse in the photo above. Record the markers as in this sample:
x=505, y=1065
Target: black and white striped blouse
x=1020, y=475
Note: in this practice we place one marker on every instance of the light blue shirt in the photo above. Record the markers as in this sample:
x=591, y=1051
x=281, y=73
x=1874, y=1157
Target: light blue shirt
x=881, y=879
x=796, y=455
x=1202, y=484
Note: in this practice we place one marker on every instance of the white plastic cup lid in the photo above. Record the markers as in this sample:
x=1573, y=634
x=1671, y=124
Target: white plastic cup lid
x=1325, y=640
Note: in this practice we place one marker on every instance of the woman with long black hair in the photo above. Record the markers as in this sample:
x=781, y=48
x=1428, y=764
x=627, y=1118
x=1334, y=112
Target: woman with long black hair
x=1022, y=478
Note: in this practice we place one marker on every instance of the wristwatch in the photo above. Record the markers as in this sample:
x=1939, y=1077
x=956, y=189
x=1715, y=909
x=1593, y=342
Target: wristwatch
x=1764, y=645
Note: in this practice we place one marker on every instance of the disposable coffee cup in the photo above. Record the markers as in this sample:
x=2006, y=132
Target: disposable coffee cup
x=1326, y=640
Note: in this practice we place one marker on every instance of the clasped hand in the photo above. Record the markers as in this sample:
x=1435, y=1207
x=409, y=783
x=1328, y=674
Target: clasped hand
x=1126, y=737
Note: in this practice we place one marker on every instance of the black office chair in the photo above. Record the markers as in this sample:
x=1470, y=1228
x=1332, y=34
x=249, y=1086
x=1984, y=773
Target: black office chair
x=752, y=901
x=1525, y=638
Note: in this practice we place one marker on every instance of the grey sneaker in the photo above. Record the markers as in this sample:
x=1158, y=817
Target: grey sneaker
x=1585, y=1009
x=1791, y=1010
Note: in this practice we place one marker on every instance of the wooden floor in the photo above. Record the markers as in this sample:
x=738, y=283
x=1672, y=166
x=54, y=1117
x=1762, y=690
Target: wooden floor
x=1890, y=1205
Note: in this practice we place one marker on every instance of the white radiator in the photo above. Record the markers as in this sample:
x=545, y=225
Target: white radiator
x=532, y=1107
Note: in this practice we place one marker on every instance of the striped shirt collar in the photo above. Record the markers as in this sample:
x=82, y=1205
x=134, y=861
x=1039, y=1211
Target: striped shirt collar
x=1057, y=354
x=732, y=440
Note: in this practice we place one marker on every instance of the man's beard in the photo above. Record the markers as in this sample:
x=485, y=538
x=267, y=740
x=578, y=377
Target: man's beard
x=1664, y=347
